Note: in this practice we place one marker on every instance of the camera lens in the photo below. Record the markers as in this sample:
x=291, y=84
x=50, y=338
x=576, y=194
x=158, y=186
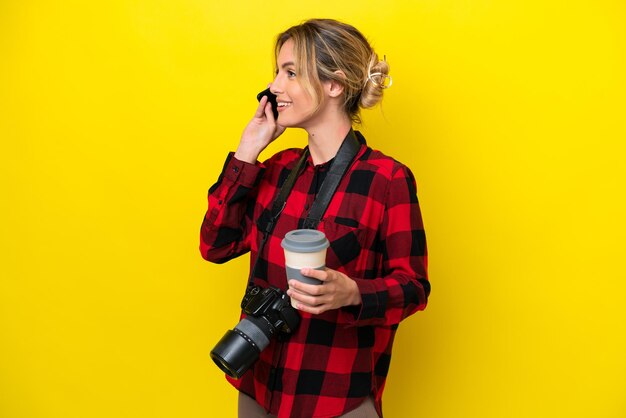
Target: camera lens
x=240, y=348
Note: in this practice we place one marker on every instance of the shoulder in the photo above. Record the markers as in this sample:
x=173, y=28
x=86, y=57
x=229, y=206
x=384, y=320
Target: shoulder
x=284, y=158
x=279, y=165
x=382, y=164
x=384, y=173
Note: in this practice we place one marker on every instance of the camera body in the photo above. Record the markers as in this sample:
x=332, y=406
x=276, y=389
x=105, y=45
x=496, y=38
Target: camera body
x=268, y=313
x=272, y=304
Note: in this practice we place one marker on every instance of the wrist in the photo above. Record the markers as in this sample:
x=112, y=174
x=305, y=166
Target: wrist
x=247, y=156
x=356, y=294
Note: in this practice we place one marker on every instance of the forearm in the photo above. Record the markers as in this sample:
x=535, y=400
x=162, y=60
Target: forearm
x=226, y=225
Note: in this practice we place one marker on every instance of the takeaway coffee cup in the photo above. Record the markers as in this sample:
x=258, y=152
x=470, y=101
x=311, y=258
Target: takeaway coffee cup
x=304, y=248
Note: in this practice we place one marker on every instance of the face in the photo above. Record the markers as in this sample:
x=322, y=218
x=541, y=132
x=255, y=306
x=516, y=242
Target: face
x=296, y=107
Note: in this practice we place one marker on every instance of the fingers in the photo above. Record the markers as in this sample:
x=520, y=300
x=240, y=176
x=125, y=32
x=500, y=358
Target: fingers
x=269, y=113
x=315, y=310
x=336, y=290
x=308, y=303
x=309, y=289
x=323, y=275
x=260, y=110
x=313, y=298
x=315, y=290
x=309, y=300
x=309, y=297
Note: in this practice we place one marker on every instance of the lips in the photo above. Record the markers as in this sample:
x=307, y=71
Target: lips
x=283, y=105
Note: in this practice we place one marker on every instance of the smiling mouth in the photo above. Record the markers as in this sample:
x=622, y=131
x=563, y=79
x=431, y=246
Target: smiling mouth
x=283, y=105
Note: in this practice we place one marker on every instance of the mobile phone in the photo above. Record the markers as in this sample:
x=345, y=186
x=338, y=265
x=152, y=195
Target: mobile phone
x=271, y=97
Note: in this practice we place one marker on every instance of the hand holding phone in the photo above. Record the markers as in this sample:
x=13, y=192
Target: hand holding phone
x=259, y=132
x=271, y=98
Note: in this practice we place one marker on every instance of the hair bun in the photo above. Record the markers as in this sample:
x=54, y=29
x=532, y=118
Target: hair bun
x=377, y=80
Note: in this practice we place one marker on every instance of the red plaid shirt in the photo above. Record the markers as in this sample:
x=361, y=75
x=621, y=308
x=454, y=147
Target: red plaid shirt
x=335, y=360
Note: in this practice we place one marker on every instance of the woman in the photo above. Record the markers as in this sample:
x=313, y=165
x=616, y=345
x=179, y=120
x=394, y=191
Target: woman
x=336, y=361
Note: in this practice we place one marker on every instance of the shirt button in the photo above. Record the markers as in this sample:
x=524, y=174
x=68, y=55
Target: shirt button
x=236, y=169
x=219, y=202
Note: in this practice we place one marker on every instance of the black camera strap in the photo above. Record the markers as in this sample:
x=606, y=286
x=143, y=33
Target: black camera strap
x=348, y=150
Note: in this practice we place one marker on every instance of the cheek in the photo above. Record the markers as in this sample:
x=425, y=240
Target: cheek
x=304, y=100
x=305, y=104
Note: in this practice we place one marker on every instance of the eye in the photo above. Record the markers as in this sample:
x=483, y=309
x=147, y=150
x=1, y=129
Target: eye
x=291, y=74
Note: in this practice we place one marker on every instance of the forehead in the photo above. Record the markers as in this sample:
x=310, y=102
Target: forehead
x=285, y=55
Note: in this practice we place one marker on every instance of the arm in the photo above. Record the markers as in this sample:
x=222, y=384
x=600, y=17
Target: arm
x=226, y=227
x=403, y=286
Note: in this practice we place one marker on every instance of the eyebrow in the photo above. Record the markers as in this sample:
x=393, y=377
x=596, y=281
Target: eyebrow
x=287, y=64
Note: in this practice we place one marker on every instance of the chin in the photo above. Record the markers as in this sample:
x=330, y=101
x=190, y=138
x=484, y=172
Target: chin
x=295, y=121
x=286, y=122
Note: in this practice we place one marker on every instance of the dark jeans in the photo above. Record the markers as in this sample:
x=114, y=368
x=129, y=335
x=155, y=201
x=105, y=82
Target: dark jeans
x=248, y=408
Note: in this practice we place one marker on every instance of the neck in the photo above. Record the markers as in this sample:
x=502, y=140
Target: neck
x=325, y=139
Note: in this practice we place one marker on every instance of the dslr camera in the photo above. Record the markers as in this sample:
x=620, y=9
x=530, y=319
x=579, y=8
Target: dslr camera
x=268, y=313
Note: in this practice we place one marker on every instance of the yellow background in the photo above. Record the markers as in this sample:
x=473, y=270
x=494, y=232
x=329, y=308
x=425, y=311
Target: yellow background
x=116, y=116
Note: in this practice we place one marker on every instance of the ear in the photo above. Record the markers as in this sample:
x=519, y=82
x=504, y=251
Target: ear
x=335, y=88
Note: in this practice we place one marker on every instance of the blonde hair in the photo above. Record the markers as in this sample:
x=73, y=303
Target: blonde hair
x=324, y=46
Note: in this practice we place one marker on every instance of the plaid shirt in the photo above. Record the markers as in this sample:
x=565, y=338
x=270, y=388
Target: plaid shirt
x=333, y=361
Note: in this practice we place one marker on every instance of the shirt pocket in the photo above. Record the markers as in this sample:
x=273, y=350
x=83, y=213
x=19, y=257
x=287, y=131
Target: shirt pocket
x=346, y=243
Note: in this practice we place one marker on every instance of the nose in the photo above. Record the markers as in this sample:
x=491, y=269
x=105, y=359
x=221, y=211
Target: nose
x=276, y=86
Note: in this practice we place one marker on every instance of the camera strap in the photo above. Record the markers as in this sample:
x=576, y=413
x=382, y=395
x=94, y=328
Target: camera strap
x=338, y=168
x=348, y=150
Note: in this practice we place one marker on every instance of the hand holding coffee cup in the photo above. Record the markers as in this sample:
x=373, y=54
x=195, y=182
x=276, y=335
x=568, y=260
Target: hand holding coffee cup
x=304, y=248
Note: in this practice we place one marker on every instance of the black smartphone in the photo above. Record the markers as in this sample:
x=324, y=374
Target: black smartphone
x=271, y=97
